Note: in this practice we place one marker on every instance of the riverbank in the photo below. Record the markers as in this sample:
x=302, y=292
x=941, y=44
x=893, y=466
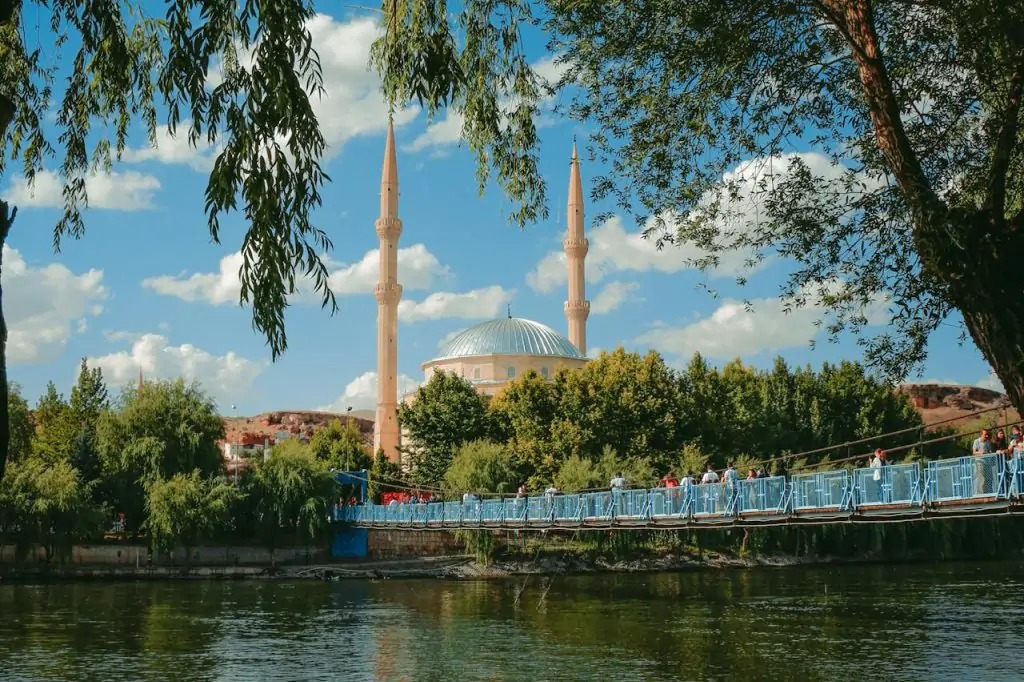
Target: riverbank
x=457, y=567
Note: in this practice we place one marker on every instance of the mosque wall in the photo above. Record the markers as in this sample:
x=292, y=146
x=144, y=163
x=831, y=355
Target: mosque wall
x=500, y=369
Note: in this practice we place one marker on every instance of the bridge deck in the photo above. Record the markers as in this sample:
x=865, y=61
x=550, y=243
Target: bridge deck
x=982, y=485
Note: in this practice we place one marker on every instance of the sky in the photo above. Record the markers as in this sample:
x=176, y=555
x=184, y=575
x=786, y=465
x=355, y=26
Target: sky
x=146, y=288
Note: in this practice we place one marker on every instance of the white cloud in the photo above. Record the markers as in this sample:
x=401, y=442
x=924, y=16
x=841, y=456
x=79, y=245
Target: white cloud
x=45, y=306
x=471, y=305
x=361, y=393
x=732, y=330
x=128, y=191
x=614, y=249
x=225, y=376
x=612, y=296
x=418, y=269
x=594, y=353
x=174, y=149
x=447, y=130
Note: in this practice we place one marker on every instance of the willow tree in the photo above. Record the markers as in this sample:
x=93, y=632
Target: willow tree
x=238, y=75
x=910, y=208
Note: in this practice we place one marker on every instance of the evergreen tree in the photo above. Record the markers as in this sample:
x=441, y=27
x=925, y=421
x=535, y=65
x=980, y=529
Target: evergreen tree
x=56, y=426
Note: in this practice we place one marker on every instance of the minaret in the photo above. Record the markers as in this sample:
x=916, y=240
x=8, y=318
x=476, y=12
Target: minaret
x=577, y=308
x=386, y=435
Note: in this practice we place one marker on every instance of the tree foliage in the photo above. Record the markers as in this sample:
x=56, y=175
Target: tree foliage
x=56, y=426
x=483, y=466
x=341, y=446
x=632, y=414
x=239, y=77
x=164, y=429
x=704, y=112
x=289, y=497
x=446, y=412
x=46, y=503
x=186, y=509
x=22, y=429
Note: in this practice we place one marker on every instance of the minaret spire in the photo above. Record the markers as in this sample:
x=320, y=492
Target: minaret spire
x=386, y=435
x=577, y=307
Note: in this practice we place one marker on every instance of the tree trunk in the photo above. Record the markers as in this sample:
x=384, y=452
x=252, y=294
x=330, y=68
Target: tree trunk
x=7, y=215
x=979, y=266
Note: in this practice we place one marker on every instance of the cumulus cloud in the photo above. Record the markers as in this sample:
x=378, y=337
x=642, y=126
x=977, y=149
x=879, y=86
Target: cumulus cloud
x=991, y=382
x=361, y=393
x=45, y=306
x=613, y=248
x=471, y=305
x=447, y=131
x=128, y=191
x=418, y=269
x=175, y=149
x=735, y=329
x=613, y=296
x=225, y=376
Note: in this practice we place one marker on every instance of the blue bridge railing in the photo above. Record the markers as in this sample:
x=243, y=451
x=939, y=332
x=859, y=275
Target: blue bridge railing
x=979, y=482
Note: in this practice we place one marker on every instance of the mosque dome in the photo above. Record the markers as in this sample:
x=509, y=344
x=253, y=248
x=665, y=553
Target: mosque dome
x=509, y=336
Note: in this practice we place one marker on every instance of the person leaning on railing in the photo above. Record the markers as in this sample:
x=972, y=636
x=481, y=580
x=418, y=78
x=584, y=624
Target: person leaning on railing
x=982, y=446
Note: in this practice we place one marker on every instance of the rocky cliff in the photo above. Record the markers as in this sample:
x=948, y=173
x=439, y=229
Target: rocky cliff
x=298, y=424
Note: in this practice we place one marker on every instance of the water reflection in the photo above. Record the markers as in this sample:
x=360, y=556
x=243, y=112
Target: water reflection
x=903, y=622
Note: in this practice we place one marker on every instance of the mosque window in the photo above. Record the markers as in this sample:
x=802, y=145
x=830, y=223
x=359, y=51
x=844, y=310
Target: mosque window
x=511, y=372
x=476, y=372
x=544, y=372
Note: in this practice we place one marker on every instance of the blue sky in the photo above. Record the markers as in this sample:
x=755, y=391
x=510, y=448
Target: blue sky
x=146, y=288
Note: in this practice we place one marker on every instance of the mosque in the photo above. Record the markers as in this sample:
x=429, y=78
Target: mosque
x=490, y=354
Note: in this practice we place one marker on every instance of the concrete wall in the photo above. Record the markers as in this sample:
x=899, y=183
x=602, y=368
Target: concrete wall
x=394, y=544
x=132, y=555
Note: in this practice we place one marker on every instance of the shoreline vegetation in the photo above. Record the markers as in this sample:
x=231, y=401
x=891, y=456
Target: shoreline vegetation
x=463, y=567
x=145, y=468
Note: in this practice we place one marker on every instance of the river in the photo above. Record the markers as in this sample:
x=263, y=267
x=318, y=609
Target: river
x=949, y=621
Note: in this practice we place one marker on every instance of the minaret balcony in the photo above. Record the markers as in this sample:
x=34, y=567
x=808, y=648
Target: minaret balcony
x=576, y=247
x=577, y=309
x=387, y=293
x=389, y=228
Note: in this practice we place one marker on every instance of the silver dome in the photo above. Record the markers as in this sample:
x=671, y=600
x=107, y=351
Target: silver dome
x=509, y=336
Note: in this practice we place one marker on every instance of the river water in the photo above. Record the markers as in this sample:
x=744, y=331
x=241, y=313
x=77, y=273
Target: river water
x=951, y=621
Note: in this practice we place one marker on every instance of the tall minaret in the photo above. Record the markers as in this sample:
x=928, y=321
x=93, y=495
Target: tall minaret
x=577, y=308
x=386, y=435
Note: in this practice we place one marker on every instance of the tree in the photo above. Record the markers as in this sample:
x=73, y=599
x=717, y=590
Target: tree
x=186, y=509
x=47, y=503
x=698, y=107
x=164, y=429
x=446, y=412
x=341, y=446
x=256, y=110
x=55, y=426
x=89, y=399
x=290, y=496
x=89, y=396
x=382, y=473
x=22, y=430
x=483, y=466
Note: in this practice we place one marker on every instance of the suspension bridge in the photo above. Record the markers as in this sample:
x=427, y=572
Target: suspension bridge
x=963, y=486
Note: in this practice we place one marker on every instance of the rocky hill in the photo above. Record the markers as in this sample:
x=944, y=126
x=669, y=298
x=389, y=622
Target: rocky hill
x=298, y=424
x=956, y=406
